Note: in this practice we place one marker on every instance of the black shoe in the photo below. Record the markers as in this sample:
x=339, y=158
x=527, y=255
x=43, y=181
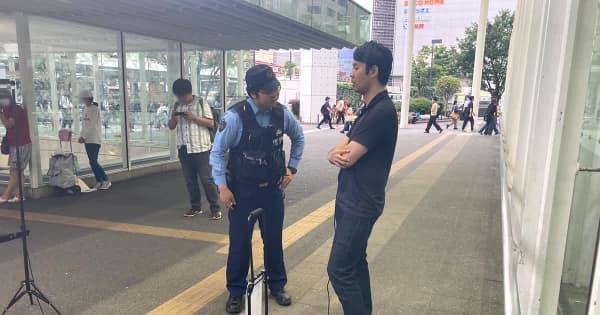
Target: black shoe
x=447, y=126
x=456, y=129
x=192, y=213
x=234, y=305
x=318, y=127
x=441, y=130
x=282, y=298
x=216, y=215
x=426, y=132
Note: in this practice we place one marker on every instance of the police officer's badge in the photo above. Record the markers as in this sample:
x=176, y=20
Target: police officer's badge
x=222, y=125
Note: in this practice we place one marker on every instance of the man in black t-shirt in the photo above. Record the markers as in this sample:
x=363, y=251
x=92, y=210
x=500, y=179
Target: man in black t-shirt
x=364, y=158
x=326, y=112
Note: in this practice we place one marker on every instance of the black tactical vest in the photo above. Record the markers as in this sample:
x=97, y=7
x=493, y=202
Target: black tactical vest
x=259, y=157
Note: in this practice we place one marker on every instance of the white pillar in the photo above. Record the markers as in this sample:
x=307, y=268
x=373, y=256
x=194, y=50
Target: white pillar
x=408, y=46
x=26, y=74
x=479, y=53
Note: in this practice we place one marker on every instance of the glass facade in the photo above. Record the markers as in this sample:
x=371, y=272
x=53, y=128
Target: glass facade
x=237, y=63
x=152, y=66
x=69, y=58
x=584, y=221
x=340, y=18
x=9, y=66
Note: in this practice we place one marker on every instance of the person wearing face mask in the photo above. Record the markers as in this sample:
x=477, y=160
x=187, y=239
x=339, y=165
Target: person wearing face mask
x=255, y=177
x=14, y=119
x=91, y=136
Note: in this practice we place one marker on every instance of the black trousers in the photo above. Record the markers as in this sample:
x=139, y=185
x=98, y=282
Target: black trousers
x=326, y=118
x=470, y=119
x=249, y=198
x=433, y=121
x=196, y=165
x=340, y=117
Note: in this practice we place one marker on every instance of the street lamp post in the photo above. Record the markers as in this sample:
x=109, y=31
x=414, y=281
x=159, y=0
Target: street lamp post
x=433, y=42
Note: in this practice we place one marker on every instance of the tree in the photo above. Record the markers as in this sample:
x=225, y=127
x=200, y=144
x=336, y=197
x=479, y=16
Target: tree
x=420, y=105
x=495, y=60
x=447, y=86
x=444, y=63
x=289, y=67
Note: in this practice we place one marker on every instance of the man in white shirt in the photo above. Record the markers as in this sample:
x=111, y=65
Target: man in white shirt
x=192, y=119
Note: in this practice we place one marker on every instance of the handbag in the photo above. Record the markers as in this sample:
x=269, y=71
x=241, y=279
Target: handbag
x=4, y=147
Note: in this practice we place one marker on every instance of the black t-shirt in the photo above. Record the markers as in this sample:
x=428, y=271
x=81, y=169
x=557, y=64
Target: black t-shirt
x=361, y=188
x=325, y=109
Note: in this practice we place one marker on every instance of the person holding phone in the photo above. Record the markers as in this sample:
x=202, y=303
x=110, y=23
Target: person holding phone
x=191, y=120
x=91, y=136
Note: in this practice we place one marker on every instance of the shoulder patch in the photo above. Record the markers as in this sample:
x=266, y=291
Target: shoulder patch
x=222, y=124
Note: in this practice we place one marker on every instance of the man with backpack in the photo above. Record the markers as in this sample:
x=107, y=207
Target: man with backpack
x=193, y=123
x=326, y=112
x=435, y=112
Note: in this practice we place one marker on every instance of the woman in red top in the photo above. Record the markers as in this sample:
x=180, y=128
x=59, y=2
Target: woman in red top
x=14, y=119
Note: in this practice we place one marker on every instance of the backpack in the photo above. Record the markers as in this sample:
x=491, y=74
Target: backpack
x=215, y=114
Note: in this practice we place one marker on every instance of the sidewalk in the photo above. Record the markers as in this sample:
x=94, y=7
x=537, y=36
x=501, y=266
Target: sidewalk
x=436, y=249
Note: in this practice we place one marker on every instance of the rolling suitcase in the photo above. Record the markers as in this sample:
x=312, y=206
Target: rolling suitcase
x=257, y=301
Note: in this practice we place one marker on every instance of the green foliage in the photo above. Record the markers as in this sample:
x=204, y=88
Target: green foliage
x=421, y=105
x=345, y=90
x=444, y=64
x=289, y=67
x=495, y=62
x=447, y=86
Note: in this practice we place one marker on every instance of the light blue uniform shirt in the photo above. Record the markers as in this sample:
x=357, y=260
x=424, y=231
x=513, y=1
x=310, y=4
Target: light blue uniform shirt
x=230, y=136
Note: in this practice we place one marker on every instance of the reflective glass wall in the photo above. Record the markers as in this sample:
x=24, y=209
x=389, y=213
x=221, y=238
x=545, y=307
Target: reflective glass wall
x=152, y=66
x=67, y=59
x=237, y=63
x=9, y=65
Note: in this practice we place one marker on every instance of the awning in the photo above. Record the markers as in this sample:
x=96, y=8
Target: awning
x=219, y=24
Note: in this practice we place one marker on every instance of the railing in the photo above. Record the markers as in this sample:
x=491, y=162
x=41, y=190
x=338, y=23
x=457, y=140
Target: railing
x=509, y=246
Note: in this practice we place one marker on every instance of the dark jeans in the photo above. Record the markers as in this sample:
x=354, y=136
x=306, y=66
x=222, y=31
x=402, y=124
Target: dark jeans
x=340, y=117
x=490, y=125
x=271, y=228
x=347, y=126
x=470, y=119
x=92, y=150
x=348, y=268
x=196, y=165
x=433, y=121
x=326, y=118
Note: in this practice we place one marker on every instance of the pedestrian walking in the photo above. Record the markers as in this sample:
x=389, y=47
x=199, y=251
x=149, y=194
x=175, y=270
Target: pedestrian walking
x=340, y=108
x=468, y=113
x=435, y=112
x=455, y=116
x=256, y=176
x=14, y=118
x=326, y=112
x=192, y=119
x=364, y=157
x=490, y=119
x=91, y=137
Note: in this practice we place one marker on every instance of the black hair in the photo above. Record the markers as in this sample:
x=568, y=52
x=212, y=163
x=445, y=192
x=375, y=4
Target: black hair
x=182, y=87
x=471, y=97
x=375, y=54
x=435, y=99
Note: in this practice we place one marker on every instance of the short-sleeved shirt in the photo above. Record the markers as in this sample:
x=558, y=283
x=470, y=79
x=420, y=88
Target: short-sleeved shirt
x=361, y=188
x=20, y=116
x=194, y=137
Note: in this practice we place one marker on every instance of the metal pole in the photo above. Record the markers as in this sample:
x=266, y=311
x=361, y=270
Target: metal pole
x=431, y=69
x=408, y=50
x=479, y=53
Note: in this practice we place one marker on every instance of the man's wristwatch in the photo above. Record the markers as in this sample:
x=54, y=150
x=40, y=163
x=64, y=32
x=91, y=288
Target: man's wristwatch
x=293, y=170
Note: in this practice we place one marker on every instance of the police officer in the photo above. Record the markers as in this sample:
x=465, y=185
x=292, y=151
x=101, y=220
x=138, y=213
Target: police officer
x=255, y=176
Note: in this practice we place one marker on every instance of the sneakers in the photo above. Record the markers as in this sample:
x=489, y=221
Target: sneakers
x=282, y=298
x=105, y=185
x=14, y=199
x=97, y=186
x=192, y=213
x=216, y=215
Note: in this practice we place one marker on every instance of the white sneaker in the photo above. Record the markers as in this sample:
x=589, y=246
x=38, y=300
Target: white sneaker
x=2, y=200
x=105, y=185
x=14, y=199
x=97, y=186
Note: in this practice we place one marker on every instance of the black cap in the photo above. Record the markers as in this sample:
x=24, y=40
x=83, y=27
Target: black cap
x=261, y=77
